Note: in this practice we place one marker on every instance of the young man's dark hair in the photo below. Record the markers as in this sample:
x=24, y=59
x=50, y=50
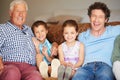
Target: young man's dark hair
x=101, y=6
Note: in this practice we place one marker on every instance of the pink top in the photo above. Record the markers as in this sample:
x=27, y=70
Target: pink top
x=71, y=54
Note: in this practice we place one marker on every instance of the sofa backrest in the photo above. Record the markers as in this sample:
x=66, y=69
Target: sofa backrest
x=55, y=31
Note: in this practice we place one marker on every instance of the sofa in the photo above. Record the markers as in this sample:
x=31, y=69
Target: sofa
x=55, y=32
x=80, y=16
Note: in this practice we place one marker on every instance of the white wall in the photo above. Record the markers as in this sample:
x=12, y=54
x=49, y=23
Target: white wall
x=47, y=8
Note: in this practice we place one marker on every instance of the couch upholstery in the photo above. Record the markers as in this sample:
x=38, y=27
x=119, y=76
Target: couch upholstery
x=55, y=33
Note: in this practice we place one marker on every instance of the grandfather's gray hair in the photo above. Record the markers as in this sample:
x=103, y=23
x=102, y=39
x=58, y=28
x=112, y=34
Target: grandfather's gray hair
x=14, y=2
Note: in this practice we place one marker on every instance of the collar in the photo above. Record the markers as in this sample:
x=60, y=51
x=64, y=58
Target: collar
x=16, y=28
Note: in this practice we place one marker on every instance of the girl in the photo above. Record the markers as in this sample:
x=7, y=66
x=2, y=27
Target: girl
x=43, y=49
x=71, y=52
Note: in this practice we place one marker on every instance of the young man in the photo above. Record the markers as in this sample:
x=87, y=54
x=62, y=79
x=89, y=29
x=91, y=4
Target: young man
x=98, y=41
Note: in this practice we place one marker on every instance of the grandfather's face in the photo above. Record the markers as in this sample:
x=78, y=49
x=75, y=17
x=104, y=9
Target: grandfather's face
x=18, y=15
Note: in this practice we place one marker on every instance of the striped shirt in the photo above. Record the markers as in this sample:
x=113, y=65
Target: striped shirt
x=16, y=45
x=48, y=45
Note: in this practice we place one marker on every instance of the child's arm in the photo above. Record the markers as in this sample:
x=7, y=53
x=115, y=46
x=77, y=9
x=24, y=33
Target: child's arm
x=81, y=57
x=36, y=43
x=61, y=56
x=39, y=59
x=54, y=49
x=39, y=56
x=44, y=52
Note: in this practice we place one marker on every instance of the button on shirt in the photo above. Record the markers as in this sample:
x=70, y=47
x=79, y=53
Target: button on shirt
x=16, y=45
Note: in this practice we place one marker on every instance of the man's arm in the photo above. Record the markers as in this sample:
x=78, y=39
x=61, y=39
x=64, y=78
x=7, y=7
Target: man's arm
x=2, y=38
x=116, y=50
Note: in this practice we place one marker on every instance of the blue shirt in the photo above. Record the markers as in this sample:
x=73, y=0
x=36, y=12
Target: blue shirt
x=16, y=45
x=48, y=45
x=99, y=48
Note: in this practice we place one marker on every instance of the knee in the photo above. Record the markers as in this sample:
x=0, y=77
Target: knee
x=116, y=65
x=80, y=74
x=11, y=72
x=75, y=77
x=106, y=76
x=116, y=69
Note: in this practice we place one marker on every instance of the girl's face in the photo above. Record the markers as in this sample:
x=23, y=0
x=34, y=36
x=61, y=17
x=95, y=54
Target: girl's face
x=97, y=19
x=70, y=33
x=40, y=33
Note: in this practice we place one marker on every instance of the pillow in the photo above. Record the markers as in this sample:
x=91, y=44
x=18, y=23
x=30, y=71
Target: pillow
x=62, y=18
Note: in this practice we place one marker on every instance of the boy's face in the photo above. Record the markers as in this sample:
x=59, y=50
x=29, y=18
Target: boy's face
x=40, y=33
x=97, y=19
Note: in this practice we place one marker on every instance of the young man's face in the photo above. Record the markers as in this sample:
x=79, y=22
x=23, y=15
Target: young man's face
x=97, y=19
x=18, y=15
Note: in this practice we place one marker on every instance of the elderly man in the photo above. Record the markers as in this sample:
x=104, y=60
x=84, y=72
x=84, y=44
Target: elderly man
x=17, y=52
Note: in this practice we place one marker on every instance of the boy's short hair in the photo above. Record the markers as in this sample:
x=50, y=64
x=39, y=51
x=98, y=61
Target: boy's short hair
x=38, y=23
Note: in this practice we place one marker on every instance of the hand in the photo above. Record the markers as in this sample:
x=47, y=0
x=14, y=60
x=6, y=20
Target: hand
x=69, y=64
x=1, y=65
x=36, y=42
x=54, y=51
x=39, y=58
x=44, y=51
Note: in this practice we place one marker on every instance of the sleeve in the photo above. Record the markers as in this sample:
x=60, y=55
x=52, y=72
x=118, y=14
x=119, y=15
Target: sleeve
x=116, y=29
x=2, y=39
x=83, y=36
x=116, y=50
x=80, y=36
